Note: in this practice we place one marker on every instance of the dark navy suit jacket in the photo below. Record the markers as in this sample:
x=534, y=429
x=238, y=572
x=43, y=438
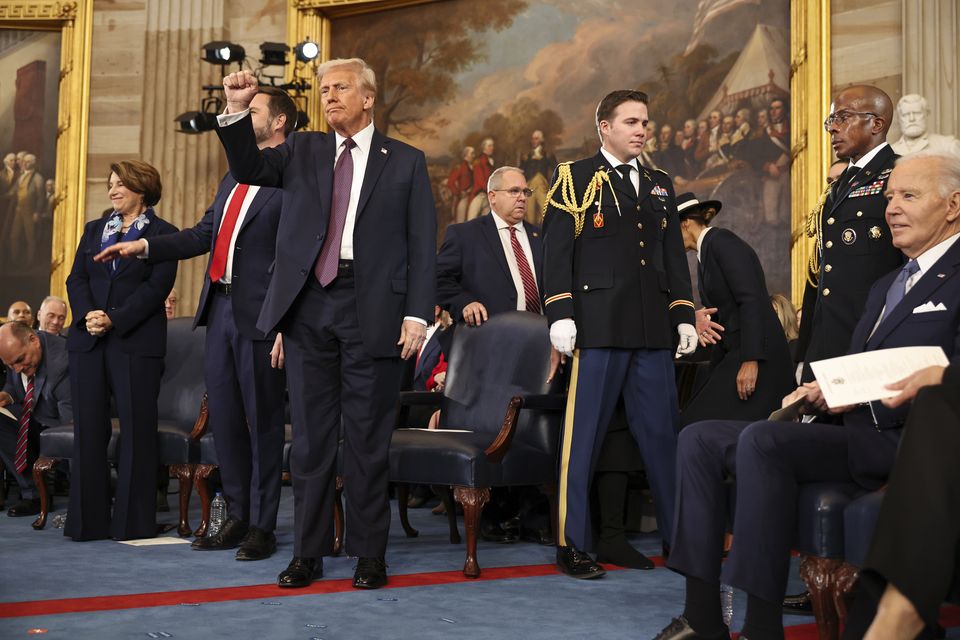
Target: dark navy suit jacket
x=132, y=298
x=253, y=254
x=394, y=238
x=472, y=267
x=51, y=385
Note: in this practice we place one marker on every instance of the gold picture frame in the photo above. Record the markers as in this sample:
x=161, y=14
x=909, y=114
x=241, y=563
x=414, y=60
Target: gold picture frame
x=74, y=21
x=810, y=86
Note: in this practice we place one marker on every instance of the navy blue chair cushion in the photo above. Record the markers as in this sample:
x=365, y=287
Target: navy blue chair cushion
x=57, y=442
x=859, y=522
x=820, y=525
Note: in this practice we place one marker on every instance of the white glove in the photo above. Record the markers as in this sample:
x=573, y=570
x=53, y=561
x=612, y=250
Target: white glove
x=688, y=339
x=563, y=336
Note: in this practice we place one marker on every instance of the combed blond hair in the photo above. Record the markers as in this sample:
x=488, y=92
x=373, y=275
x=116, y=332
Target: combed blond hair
x=367, y=76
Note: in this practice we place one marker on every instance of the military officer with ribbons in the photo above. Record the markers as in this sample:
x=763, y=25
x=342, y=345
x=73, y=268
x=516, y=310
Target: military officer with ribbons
x=853, y=242
x=618, y=298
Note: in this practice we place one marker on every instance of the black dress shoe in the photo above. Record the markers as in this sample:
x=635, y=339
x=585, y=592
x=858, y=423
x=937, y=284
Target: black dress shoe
x=257, y=545
x=229, y=536
x=798, y=604
x=24, y=508
x=577, y=564
x=300, y=572
x=621, y=553
x=680, y=629
x=538, y=536
x=371, y=573
x=495, y=533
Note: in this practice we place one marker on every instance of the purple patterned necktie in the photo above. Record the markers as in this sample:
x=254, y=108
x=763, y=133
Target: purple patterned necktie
x=325, y=268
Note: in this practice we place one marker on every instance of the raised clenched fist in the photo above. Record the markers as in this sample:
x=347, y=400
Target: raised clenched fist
x=240, y=87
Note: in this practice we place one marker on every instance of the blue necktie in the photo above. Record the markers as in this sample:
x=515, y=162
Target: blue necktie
x=899, y=287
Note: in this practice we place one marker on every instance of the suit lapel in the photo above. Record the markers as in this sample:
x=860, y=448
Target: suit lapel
x=536, y=246
x=489, y=230
x=920, y=292
x=325, y=162
x=376, y=161
x=40, y=377
x=262, y=198
x=433, y=344
x=126, y=263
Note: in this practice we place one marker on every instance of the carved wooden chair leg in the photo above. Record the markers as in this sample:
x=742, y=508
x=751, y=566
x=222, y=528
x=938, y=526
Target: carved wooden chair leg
x=472, y=499
x=184, y=473
x=338, y=517
x=843, y=580
x=40, y=467
x=448, y=505
x=403, y=494
x=201, y=478
x=817, y=574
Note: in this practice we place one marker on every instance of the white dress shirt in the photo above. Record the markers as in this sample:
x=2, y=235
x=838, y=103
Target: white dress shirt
x=360, y=154
x=503, y=231
x=614, y=163
x=244, y=207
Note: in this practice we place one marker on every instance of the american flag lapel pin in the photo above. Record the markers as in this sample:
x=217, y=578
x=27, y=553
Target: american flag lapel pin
x=383, y=151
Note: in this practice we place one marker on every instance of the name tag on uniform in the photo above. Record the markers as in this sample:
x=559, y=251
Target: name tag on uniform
x=871, y=189
x=659, y=191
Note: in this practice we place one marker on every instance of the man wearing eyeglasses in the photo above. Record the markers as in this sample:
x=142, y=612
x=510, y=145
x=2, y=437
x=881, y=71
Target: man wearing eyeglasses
x=853, y=242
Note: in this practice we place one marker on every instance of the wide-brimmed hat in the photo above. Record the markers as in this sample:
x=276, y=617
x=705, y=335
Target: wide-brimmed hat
x=688, y=203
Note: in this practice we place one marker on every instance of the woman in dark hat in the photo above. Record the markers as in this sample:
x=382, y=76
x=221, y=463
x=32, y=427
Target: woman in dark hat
x=750, y=369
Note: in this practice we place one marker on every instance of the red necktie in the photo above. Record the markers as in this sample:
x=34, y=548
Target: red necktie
x=325, y=269
x=530, y=294
x=20, y=459
x=218, y=264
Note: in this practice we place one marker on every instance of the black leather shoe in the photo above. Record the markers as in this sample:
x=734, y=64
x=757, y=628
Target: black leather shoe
x=798, y=604
x=371, y=573
x=538, y=536
x=621, y=553
x=577, y=564
x=257, y=545
x=680, y=629
x=300, y=572
x=495, y=533
x=24, y=508
x=229, y=536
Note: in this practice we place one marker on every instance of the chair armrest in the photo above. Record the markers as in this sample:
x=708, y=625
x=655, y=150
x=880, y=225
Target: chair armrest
x=545, y=402
x=501, y=444
x=200, y=426
x=420, y=398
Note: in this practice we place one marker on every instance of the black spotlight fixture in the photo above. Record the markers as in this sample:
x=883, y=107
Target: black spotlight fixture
x=223, y=52
x=203, y=120
x=307, y=51
x=273, y=54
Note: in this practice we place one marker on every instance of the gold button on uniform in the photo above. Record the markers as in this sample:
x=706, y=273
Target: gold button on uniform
x=828, y=268
x=859, y=214
x=585, y=287
x=830, y=220
x=641, y=244
x=643, y=263
x=828, y=244
x=826, y=292
x=640, y=226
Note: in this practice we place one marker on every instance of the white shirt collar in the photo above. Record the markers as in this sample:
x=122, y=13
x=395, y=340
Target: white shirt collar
x=928, y=258
x=700, y=240
x=614, y=162
x=362, y=138
x=868, y=156
x=503, y=224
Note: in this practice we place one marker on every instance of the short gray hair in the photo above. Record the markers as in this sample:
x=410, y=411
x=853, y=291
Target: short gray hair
x=367, y=76
x=948, y=167
x=53, y=299
x=496, y=178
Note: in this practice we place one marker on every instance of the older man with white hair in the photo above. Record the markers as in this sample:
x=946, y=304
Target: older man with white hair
x=52, y=315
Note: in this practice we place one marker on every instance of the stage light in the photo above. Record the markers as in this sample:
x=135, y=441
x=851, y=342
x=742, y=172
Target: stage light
x=222, y=52
x=273, y=53
x=196, y=122
x=307, y=51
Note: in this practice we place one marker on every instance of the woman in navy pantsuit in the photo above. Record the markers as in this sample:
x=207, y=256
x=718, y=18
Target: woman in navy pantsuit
x=750, y=369
x=117, y=344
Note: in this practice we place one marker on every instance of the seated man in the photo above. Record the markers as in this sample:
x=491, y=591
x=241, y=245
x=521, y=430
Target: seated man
x=52, y=315
x=772, y=459
x=21, y=312
x=37, y=393
x=913, y=560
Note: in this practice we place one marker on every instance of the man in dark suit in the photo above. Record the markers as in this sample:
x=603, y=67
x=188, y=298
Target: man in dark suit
x=37, y=393
x=355, y=268
x=617, y=291
x=853, y=242
x=914, y=305
x=245, y=393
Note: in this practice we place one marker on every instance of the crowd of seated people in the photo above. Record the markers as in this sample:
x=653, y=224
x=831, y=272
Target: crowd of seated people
x=885, y=246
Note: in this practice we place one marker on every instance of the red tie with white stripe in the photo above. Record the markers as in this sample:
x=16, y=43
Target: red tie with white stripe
x=530, y=294
x=20, y=459
x=221, y=249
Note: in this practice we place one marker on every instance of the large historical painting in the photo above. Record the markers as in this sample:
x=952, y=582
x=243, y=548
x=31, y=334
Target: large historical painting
x=481, y=85
x=29, y=84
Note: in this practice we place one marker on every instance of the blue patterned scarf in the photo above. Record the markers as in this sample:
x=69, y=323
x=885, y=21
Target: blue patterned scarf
x=111, y=232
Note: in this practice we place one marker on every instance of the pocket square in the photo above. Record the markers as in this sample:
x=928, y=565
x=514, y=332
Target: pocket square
x=928, y=306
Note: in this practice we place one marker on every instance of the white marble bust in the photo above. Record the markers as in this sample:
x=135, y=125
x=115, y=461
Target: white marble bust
x=912, y=114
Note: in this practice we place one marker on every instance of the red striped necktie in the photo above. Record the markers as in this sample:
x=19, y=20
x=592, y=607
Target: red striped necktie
x=530, y=294
x=20, y=459
x=221, y=249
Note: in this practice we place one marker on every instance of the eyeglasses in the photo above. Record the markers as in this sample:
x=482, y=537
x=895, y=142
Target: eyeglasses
x=840, y=117
x=516, y=191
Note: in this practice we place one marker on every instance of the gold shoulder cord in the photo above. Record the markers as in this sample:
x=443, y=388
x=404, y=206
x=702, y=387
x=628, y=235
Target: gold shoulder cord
x=814, y=230
x=565, y=183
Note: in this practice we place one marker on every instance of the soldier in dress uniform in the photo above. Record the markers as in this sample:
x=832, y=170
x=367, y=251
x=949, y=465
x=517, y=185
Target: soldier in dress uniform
x=616, y=293
x=853, y=242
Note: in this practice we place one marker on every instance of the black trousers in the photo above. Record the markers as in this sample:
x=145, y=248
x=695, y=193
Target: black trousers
x=915, y=544
x=332, y=379
x=9, y=429
x=245, y=398
x=133, y=382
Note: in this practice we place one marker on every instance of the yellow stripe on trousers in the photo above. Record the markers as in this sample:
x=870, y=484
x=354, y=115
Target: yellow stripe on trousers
x=565, y=448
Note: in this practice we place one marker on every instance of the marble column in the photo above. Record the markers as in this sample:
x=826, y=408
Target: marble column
x=931, y=30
